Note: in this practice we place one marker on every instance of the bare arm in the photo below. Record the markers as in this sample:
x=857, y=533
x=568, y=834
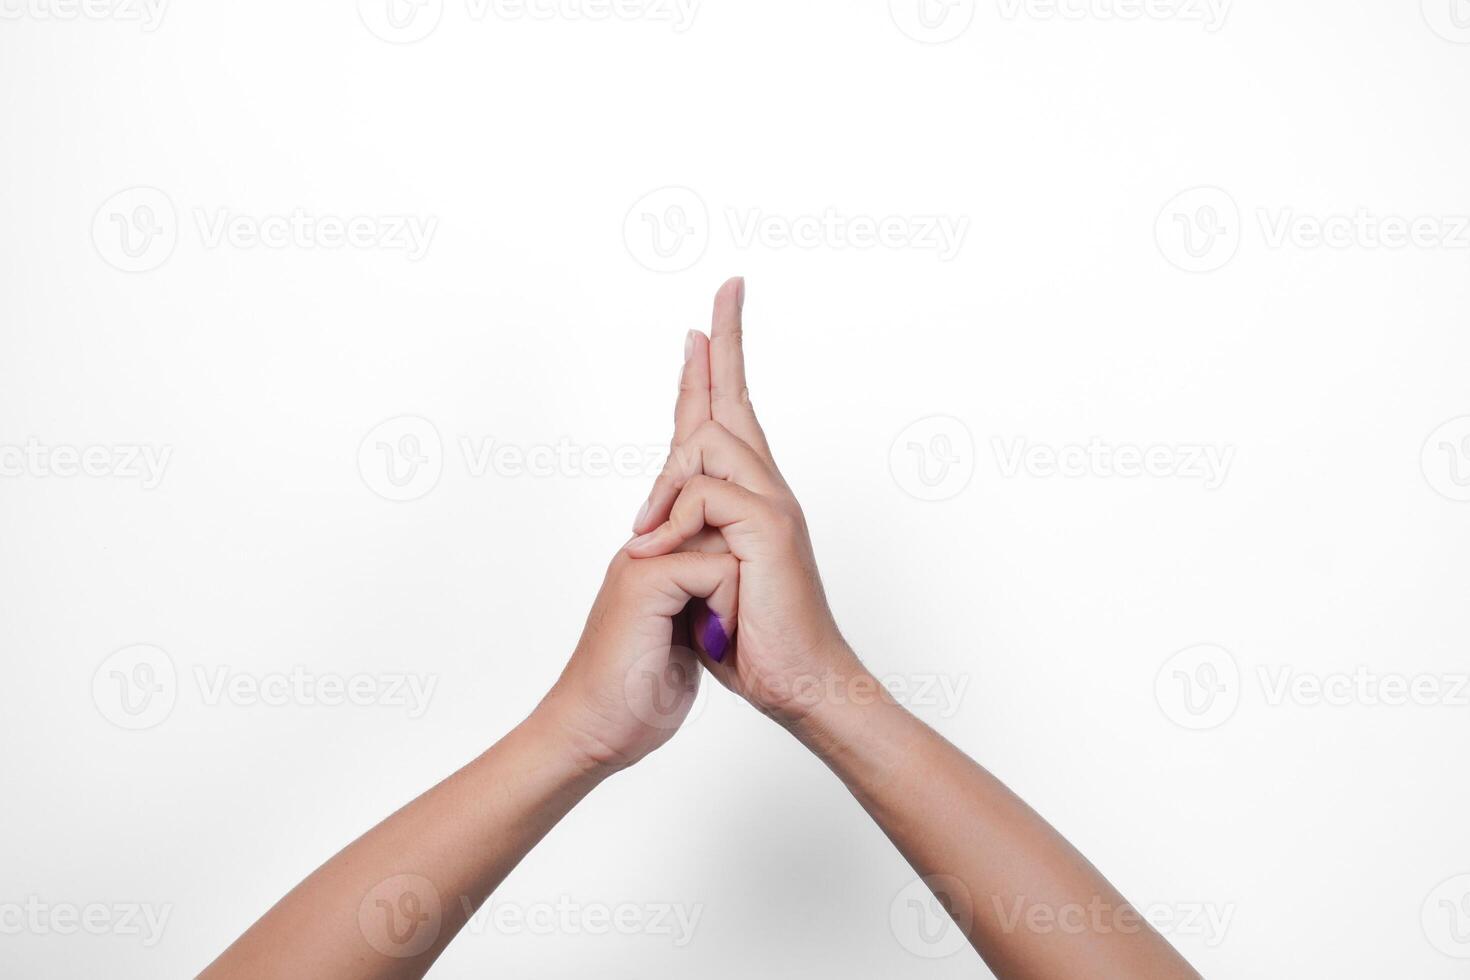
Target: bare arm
x=985, y=853
x=387, y=905
x=1029, y=902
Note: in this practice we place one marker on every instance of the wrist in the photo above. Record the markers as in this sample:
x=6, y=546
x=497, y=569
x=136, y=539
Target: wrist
x=857, y=723
x=831, y=699
x=567, y=747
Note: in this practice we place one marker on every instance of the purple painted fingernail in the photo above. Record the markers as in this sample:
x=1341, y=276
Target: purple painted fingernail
x=714, y=638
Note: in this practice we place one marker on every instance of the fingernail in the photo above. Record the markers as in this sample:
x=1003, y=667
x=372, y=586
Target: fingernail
x=642, y=513
x=714, y=638
x=740, y=295
x=689, y=345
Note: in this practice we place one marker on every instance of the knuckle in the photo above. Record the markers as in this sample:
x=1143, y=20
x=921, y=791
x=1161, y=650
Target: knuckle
x=682, y=460
x=638, y=571
x=687, y=514
x=620, y=567
x=786, y=518
x=701, y=484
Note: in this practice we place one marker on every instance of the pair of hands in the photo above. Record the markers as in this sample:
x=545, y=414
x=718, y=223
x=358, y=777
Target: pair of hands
x=721, y=571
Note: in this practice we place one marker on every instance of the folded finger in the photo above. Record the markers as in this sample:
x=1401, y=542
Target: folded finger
x=712, y=451
x=671, y=581
x=705, y=500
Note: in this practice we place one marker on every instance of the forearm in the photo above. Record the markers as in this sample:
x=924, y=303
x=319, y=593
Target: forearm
x=386, y=905
x=950, y=817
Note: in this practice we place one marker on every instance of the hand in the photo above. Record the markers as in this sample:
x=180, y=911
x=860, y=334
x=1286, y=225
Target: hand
x=784, y=648
x=633, y=677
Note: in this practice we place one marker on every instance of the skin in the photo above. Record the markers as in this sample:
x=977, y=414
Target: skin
x=983, y=852
x=722, y=560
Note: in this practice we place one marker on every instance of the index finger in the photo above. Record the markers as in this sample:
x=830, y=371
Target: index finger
x=692, y=409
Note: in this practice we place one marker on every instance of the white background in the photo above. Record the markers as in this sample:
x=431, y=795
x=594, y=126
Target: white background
x=1334, y=543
